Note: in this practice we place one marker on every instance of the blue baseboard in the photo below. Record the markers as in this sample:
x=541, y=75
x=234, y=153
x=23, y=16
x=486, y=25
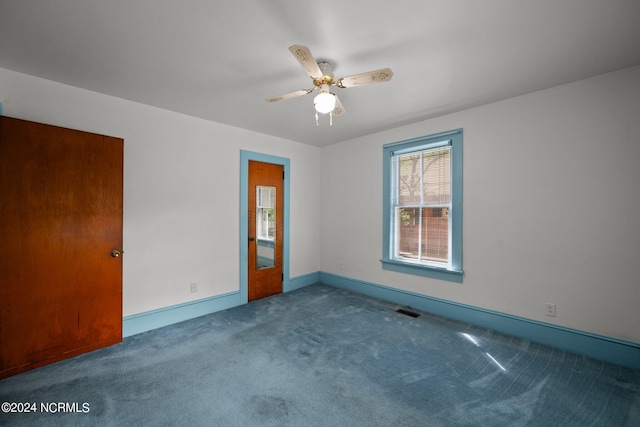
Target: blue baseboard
x=301, y=281
x=153, y=319
x=142, y=322
x=599, y=347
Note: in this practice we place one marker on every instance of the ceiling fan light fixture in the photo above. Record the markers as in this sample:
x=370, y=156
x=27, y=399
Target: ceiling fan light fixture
x=325, y=102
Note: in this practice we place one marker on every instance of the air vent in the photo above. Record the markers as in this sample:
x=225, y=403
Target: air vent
x=407, y=313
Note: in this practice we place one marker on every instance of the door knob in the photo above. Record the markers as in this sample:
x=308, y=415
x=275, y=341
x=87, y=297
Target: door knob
x=251, y=239
x=115, y=253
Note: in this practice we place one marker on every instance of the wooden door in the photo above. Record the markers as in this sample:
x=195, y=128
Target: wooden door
x=266, y=185
x=60, y=220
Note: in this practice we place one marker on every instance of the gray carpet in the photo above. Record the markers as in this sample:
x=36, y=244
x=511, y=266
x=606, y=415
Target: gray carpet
x=322, y=356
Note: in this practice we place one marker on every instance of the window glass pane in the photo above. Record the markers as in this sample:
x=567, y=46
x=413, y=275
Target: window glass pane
x=272, y=197
x=266, y=223
x=408, y=233
x=423, y=206
x=409, y=178
x=436, y=172
x=435, y=235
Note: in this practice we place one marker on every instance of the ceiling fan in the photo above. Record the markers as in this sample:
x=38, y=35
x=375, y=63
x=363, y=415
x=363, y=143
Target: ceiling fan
x=321, y=73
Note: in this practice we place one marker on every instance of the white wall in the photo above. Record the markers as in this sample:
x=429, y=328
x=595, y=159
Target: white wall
x=551, y=199
x=551, y=206
x=181, y=189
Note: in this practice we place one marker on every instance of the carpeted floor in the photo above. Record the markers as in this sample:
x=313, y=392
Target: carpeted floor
x=322, y=356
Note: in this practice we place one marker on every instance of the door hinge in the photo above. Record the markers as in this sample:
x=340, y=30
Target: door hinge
x=282, y=174
x=282, y=277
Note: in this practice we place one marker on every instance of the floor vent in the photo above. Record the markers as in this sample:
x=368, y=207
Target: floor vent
x=407, y=312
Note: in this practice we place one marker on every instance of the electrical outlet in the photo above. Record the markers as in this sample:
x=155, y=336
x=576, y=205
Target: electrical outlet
x=194, y=287
x=550, y=309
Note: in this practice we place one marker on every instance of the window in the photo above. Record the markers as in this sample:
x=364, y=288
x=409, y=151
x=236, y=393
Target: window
x=423, y=206
x=265, y=212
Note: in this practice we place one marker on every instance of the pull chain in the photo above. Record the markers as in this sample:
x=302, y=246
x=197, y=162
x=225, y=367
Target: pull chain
x=330, y=119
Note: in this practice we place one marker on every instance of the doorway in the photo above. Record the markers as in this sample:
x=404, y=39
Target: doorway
x=266, y=182
x=264, y=225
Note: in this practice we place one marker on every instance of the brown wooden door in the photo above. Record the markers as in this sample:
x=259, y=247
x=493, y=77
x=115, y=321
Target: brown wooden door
x=266, y=196
x=60, y=220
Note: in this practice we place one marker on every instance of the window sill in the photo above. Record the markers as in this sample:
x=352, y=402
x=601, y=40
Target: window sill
x=422, y=270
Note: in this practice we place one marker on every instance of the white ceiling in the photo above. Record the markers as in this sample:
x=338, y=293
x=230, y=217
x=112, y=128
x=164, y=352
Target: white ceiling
x=220, y=59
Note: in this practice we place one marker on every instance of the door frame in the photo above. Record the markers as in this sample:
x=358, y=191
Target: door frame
x=245, y=156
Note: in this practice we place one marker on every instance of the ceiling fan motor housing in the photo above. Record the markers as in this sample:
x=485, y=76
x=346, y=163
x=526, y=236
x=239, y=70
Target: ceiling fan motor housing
x=326, y=68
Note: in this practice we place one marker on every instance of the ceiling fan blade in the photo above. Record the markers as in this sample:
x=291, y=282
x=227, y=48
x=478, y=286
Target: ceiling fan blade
x=289, y=95
x=339, y=108
x=377, y=76
x=306, y=59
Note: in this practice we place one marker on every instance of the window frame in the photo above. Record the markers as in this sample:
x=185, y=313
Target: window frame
x=453, y=139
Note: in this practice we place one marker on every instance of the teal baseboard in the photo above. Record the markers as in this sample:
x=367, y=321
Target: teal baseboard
x=142, y=322
x=301, y=281
x=599, y=347
x=153, y=319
